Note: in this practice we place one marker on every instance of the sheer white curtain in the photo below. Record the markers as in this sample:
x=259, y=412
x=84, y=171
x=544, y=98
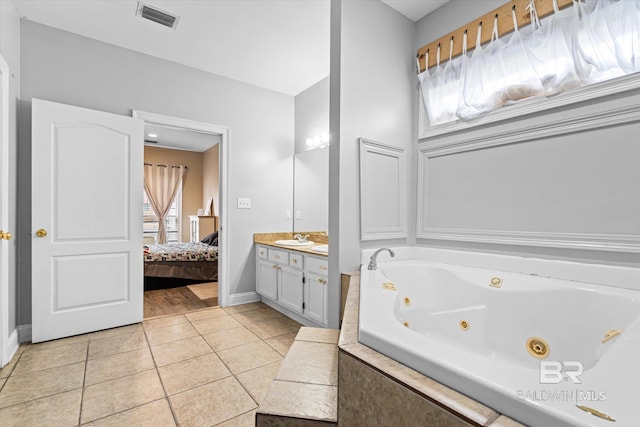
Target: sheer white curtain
x=161, y=182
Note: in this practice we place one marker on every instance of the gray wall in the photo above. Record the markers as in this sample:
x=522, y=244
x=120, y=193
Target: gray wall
x=63, y=67
x=573, y=175
x=377, y=87
x=10, y=49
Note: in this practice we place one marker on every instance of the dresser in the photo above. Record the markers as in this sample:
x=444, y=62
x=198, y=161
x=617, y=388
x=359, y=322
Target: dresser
x=201, y=226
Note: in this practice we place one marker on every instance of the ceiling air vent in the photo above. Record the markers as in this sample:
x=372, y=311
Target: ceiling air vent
x=156, y=15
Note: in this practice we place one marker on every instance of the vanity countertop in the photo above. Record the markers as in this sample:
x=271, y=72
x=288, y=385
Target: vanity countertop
x=269, y=239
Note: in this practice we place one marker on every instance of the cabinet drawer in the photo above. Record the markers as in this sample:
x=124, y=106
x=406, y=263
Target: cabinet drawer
x=262, y=252
x=295, y=260
x=318, y=265
x=280, y=257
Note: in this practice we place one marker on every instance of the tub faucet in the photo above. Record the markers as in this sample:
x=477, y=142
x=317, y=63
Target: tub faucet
x=300, y=238
x=372, y=261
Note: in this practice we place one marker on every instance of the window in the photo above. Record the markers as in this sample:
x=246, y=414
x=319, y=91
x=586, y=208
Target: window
x=172, y=221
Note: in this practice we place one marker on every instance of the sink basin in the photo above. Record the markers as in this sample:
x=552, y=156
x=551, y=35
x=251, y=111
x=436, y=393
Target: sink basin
x=321, y=248
x=293, y=243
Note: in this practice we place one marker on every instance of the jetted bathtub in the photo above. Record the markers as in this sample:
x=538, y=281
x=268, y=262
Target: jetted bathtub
x=544, y=351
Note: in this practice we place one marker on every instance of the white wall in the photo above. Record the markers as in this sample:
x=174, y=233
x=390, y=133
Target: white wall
x=376, y=79
x=10, y=50
x=63, y=67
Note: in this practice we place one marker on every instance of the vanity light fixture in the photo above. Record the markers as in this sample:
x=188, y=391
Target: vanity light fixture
x=152, y=135
x=318, y=141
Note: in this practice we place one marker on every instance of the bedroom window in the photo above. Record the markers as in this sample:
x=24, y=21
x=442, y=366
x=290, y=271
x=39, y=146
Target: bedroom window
x=172, y=221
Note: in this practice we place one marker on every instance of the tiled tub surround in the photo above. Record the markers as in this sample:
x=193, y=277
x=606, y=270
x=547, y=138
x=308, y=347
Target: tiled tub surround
x=304, y=392
x=205, y=368
x=376, y=390
x=488, y=359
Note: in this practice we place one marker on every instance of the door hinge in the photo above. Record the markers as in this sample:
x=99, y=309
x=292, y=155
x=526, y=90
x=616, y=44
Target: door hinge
x=303, y=281
x=303, y=306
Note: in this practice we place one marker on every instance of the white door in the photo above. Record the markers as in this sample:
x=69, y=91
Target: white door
x=87, y=180
x=5, y=234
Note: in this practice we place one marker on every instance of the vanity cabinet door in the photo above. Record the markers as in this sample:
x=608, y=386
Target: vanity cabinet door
x=315, y=296
x=267, y=279
x=290, y=288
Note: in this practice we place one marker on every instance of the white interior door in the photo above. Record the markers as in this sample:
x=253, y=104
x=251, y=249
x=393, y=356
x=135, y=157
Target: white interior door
x=87, y=180
x=4, y=212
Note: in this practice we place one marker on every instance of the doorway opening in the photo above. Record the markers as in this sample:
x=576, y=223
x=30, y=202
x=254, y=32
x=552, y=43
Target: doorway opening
x=188, y=272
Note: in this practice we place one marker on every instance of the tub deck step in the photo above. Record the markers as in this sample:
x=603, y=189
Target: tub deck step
x=305, y=390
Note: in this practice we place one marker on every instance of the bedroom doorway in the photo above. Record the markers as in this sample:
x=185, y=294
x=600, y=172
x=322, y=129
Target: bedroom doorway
x=189, y=272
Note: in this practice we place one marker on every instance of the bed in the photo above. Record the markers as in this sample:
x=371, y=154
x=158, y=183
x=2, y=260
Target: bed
x=191, y=261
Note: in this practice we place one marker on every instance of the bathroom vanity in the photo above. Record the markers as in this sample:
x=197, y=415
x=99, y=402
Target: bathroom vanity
x=293, y=280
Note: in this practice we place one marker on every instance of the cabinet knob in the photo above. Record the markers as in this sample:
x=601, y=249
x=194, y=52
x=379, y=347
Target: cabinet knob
x=322, y=281
x=274, y=266
x=322, y=267
x=41, y=232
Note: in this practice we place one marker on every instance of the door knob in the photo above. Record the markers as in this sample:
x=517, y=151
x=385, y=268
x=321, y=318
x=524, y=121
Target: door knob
x=5, y=235
x=41, y=232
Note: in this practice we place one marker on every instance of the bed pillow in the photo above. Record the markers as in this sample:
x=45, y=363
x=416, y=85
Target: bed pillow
x=211, y=239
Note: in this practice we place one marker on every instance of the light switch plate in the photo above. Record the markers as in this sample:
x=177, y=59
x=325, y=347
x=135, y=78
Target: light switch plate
x=287, y=214
x=298, y=214
x=244, y=203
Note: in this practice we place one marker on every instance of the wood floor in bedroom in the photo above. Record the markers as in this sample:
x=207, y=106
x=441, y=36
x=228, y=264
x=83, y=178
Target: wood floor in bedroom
x=174, y=301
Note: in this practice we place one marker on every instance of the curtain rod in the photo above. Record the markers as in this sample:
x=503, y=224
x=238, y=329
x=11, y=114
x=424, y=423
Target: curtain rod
x=505, y=26
x=166, y=166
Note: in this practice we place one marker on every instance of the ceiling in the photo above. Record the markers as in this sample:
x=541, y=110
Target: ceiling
x=178, y=138
x=281, y=45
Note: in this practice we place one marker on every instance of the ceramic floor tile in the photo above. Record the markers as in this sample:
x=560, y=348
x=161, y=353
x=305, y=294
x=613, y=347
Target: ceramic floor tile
x=118, y=395
x=310, y=362
x=246, y=307
x=281, y=343
x=171, y=333
x=176, y=351
x=34, y=385
x=113, y=332
x=259, y=315
x=329, y=336
x=245, y=420
x=57, y=343
x=116, y=344
x=257, y=381
x=229, y=338
x=212, y=403
x=32, y=361
x=156, y=414
x=272, y=328
x=164, y=321
x=318, y=402
x=206, y=314
x=118, y=365
x=207, y=326
x=248, y=356
x=8, y=368
x=58, y=410
x=191, y=373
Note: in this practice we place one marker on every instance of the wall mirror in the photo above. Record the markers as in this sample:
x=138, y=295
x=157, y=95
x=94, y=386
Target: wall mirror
x=311, y=190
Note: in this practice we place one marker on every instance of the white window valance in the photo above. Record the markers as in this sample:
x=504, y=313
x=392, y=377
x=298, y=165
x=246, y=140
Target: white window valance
x=591, y=42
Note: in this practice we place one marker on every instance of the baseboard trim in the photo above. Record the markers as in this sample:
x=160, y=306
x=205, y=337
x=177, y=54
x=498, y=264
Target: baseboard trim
x=24, y=333
x=243, y=298
x=11, y=348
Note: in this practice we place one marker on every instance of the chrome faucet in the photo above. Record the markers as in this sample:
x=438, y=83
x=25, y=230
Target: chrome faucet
x=300, y=238
x=372, y=261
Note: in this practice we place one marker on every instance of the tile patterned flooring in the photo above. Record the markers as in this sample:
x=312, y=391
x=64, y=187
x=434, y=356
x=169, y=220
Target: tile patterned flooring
x=205, y=368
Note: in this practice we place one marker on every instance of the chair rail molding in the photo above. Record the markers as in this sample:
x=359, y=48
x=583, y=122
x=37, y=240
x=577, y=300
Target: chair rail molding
x=383, y=195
